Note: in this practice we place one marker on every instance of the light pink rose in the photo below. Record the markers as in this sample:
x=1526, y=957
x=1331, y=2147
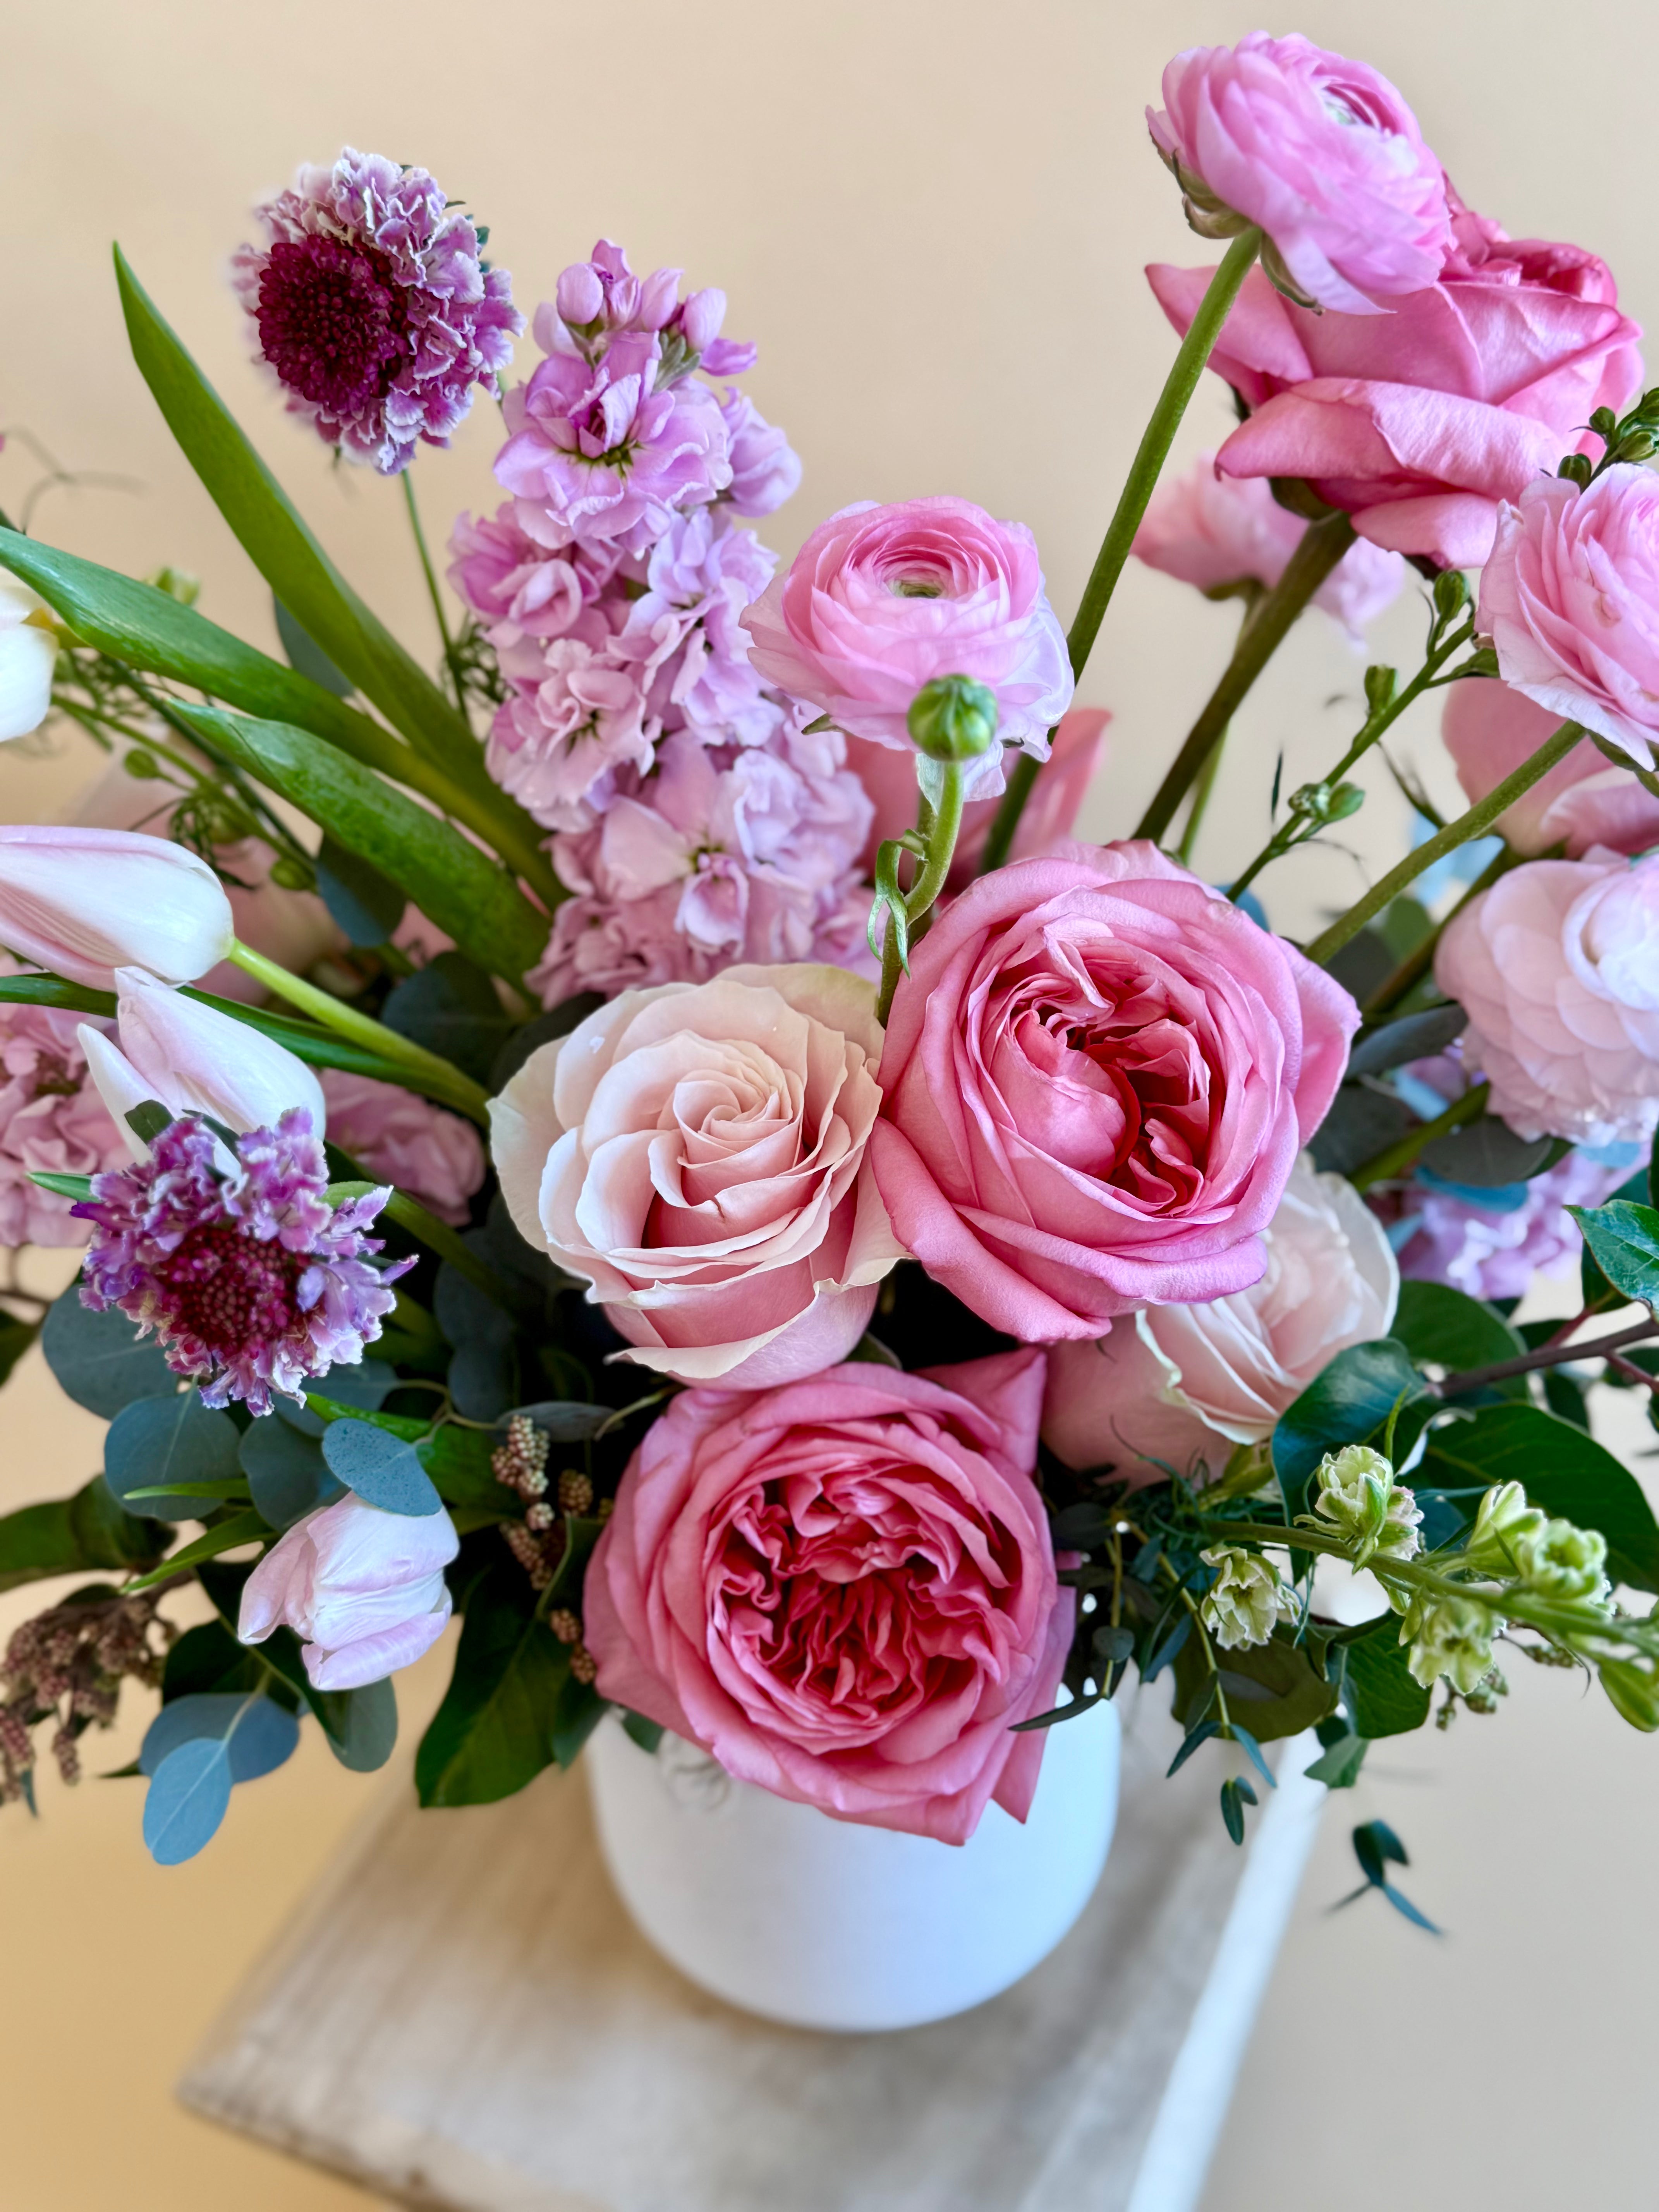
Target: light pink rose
x=1569, y=599
x=844, y=1590
x=398, y=1138
x=1583, y=800
x=1218, y=531
x=1321, y=153
x=697, y=1152
x=1185, y=1384
x=1099, y=1073
x=1420, y=423
x=1556, y=966
x=882, y=599
x=364, y=1590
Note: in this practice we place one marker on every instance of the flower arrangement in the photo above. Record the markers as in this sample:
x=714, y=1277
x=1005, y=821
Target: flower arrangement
x=688, y=1166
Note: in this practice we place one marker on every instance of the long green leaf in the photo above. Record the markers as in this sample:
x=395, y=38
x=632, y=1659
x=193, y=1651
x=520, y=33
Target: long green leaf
x=449, y=880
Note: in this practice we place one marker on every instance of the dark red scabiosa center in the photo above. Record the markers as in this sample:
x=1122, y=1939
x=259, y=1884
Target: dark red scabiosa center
x=332, y=324
x=231, y=1291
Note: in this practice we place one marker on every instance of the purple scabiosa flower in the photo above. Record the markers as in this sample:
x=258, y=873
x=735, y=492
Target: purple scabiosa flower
x=373, y=308
x=251, y=1280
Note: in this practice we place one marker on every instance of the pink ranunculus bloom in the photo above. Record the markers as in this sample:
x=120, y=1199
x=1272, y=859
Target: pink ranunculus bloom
x=1490, y=729
x=1321, y=153
x=557, y=747
x=1182, y=1385
x=400, y=1139
x=1420, y=424
x=882, y=599
x=53, y=1121
x=1556, y=966
x=1494, y=1252
x=1099, y=1073
x=364, y=1590
x=696, y=1153
x=1569, y=599
x=844, y=1590
x=766, y=469
x=1220, y=531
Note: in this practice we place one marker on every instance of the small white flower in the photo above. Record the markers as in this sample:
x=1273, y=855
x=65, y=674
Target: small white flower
x=1359, y=1495
x=1246, y=1598
x=1449, y=1636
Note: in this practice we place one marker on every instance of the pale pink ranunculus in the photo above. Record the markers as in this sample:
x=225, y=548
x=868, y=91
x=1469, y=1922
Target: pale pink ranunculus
x=1569, y=599
x=1421, y=423
x=882, y=599
x=1490, y=729
x=697, y=1152
x=362, y=1590
x=1099, y=1073
x=400, y=1139
x=844, y=1590
x=1185, y=1384
x=1557, y=966
x=1321, y=153
x=1220, y=531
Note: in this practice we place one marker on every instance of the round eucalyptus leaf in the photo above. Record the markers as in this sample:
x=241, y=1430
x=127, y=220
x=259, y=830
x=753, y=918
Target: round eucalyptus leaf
x=384, y=1470
x=155, y=1441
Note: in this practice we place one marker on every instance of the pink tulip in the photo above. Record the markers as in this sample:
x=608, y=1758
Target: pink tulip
x=193, y=1059
x=84, y=903
x=364, y=1590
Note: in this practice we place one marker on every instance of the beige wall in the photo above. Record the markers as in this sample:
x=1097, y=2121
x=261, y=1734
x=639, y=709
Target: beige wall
x=932, y=214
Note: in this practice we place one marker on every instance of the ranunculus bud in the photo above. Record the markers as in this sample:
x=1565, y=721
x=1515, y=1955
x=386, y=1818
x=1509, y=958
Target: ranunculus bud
x=953, y=719
x=193, y=1059
x=28, y=654
x=84, y=903
x=363, y=1590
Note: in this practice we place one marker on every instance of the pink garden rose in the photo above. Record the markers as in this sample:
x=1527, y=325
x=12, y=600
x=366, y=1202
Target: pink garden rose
x=1421, y=423
x=1183, y=1384
x=844, y=1590
x=1490, y=729
x=1556, y=966
x=364, y=1590
x=1098, y=1075
x=697, y=1152
x=1569, y=599
x=882, y=599
x=398, y=1138
x=1319, y=152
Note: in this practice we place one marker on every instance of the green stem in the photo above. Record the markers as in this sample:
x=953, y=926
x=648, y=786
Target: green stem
x=941, y=821
x=1144, y=473
x=1321, y=547
x=433, y=593
x=437, y=1236
x=1417, y=963
x=1201, y=790
x=1475, y=824
x=1396, y=1158
x=440, y=1078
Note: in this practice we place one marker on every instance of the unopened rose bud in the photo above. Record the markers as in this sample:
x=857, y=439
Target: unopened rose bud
x=84, y=903
x=579, y=296
x=953, y=719
x=1451, y=589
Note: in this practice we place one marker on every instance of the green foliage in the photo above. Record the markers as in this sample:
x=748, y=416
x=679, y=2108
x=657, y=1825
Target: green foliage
x=1379, y=1691
x=15, y=1338
x=1236, y=1795
x=75, y=1535
x=1415, y=1036
x=451, y=1007
x=1273, y=1689
x=156, y=1441
x=361, y=1725
x=207, y=1659
x=456, y=1460
x=307, y=655
x=1623, y=1238
x=364, y=905
x=1486, y=1154
x=1349, y=1402
x=495, y=1729
x=194, y=1750
x=1338, y=1765
x=384, y=1469
x=100, y=1359
x=287, y=1475
x=1376, y=1846
x=1436, y=1323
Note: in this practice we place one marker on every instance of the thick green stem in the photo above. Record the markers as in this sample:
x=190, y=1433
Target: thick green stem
x=440, y=1078
x=1144, y=473
x=940, y=823
x=1322, y=546
x=1397, y=1157
x=1475, y=824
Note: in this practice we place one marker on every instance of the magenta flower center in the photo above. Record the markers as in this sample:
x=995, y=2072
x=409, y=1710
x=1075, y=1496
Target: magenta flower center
x=232, y=1292
x=332, y=324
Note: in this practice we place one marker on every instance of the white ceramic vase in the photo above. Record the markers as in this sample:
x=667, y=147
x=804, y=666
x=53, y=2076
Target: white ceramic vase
x=824, y=1923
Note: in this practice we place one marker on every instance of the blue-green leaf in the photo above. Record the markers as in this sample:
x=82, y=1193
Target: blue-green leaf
x=155, y=1442
x=188, y=1798
x=100, y=1359
x=384, y=1470
x=286, y=1473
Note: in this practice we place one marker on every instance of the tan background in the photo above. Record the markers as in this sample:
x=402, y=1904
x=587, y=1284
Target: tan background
x=932, y=214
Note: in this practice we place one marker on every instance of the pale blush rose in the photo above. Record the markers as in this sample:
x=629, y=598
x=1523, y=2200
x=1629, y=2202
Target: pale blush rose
x=1185, y=1384
x=882, y=599
x=844, y=1590
x=1321, y=153
x=697, y=1152
x=400, y=1139
x=364, y=1590
x=1569, y=599
x=1556, y=966
x=1490, y=729
x=1098, y=1075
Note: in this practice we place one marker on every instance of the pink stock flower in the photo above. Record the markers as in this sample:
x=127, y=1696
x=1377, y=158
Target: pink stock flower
x=1493, y=1251
x=51, y=1121
x=251, y=1282
x=364, y=1590
x=757, y=1589
x=597, y=297
x=1098, y=1075
x=700, y=576
x=585, y=719
x=766, y=469
x=697, y=1154
x=1569, y=599
x=1555, y=964
x=524, y=592
x=1220, y=531
x=882, y=599
x=1321, y=153
x=435, y=1156
x=1420, y=424
x=1490, y=729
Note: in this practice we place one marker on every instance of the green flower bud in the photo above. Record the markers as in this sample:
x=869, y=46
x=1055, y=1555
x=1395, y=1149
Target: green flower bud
x=1558, y=1560
x=1357, y=1493
x=1451, y=588
x=1449, y=1636
x=1246, y=1598
x=292, y=874
x=140, y=765
x=1633, y=1692
x=953, y=719
x=1379, y=688
x=1502, y=1520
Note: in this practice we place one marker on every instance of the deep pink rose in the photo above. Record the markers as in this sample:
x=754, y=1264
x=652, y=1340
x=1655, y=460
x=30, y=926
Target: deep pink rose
x=844, y=1590
x=1583, y=800
x=1569, y=599
x=882, y=599
x=1099, y=1073
x=1322, y=153
x=1421, y=423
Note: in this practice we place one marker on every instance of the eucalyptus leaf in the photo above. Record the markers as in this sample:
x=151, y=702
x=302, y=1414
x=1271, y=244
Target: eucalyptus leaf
x=187, y=1799
x=286, y=1472
x=1361, y=1123
x=258, y=1735
x=362, y=1388
x=1416, y=1037
x=383, y=1470
x=1338, y=1768
x=1486, y=1153
x=100, y=1359
x=451, y=1007
x=157, y=1441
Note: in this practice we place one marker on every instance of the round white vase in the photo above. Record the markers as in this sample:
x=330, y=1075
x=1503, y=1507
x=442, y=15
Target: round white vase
x=826, y=1924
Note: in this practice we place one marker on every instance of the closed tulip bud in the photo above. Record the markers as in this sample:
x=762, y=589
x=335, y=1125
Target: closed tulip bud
x=953, y=719
x=364, y=1590
x=195, y=1060
x=84, y=903
x=29, y=653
